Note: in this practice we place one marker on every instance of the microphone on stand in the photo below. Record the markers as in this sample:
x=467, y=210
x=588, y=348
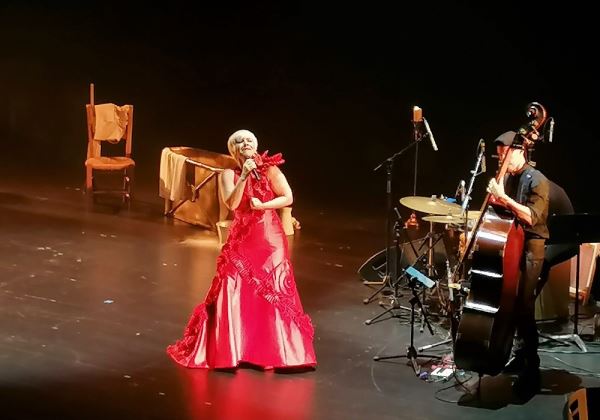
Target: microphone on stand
x=417, y=121
x=460, y=191
x=417, y=115
x=550, y=130
x=482, y=145
x=430, y=135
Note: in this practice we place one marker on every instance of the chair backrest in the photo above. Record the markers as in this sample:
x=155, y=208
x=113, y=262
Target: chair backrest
x=94, y=145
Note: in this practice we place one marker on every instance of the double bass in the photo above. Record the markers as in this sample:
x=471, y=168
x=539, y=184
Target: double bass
x=494, y=247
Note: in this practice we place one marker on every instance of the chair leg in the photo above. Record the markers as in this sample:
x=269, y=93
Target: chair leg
x=89, y=180
x=131, y=186
x=128, y=177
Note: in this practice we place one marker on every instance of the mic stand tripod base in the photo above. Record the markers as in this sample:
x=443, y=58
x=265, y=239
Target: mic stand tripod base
x=378, y=283
x=383, y=285
x=394, y=304
x=439, y=343
x=412, y=356
x=574, y=338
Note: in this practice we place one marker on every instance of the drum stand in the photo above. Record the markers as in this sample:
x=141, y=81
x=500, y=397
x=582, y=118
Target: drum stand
x=430, y=267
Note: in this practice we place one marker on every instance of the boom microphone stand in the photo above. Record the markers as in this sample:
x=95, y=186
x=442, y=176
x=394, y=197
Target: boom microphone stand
x=419, y=123
x=480, y=167
x=389, y=165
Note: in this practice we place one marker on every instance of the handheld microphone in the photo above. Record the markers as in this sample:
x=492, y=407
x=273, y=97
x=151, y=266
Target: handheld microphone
x=430, y=135
x=257, y=160
x=482, y=145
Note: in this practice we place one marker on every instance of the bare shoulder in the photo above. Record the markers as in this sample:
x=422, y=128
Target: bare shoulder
x=227, y=173
x=274, y=171
x=227, y=177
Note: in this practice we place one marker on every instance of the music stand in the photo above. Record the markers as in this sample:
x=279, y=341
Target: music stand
x=411, y=353
x=575, y=229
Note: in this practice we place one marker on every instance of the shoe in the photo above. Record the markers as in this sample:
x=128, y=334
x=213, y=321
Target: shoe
x=527, y=384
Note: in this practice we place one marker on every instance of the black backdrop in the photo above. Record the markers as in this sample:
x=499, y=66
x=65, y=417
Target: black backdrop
x=332, y=87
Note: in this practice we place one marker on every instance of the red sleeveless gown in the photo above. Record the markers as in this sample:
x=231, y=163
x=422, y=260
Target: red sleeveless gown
x=252, y=312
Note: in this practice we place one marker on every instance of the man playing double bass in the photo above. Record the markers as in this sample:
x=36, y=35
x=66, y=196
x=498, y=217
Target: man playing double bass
x=524, y=192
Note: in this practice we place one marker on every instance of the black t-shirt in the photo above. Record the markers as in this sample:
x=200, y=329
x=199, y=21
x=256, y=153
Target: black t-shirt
x=559, y=201
x=532, y=189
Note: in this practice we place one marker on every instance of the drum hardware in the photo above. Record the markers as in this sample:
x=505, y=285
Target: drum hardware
x=395, y=283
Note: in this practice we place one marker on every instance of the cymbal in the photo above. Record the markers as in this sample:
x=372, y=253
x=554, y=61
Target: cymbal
x=454, y=219
x=430, y=205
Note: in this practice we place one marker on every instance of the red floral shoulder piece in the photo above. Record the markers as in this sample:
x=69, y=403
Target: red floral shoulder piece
x=266, y=160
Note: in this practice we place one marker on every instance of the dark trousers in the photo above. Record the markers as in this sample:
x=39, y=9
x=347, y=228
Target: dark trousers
x=527, y=334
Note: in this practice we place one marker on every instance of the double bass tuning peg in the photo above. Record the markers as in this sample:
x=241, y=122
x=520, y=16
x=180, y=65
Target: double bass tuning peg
x=537, y=116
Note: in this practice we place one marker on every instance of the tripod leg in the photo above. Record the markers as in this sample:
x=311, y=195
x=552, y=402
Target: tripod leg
x=411, y=354
x=370, y=321
x=439, y=343
x=398, y=356
x=372, y=297
x=580, y=343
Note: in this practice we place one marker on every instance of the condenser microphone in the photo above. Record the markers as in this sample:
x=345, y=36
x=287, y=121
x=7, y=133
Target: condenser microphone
x=460, y=191
x=482, y=145
x=430, y=135
x=550, y=130
x=417, y=115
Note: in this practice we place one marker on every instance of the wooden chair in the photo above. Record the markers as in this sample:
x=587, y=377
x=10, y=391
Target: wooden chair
x=577, y=407
x=97, y=163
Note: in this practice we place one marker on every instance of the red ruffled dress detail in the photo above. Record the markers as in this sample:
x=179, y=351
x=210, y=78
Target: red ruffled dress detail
x=252, y=312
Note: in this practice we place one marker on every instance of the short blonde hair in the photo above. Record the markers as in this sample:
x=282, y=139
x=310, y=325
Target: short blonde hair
x=237, y=137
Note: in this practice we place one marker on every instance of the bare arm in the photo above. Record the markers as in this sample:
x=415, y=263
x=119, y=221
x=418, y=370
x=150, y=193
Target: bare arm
x=231, y=192
x=281, y=188
x=521, y=211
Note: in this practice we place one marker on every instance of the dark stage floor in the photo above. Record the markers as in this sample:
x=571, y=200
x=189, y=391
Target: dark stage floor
x=90, y=299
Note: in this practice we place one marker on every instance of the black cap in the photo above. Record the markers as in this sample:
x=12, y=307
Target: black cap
x=505, y=139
